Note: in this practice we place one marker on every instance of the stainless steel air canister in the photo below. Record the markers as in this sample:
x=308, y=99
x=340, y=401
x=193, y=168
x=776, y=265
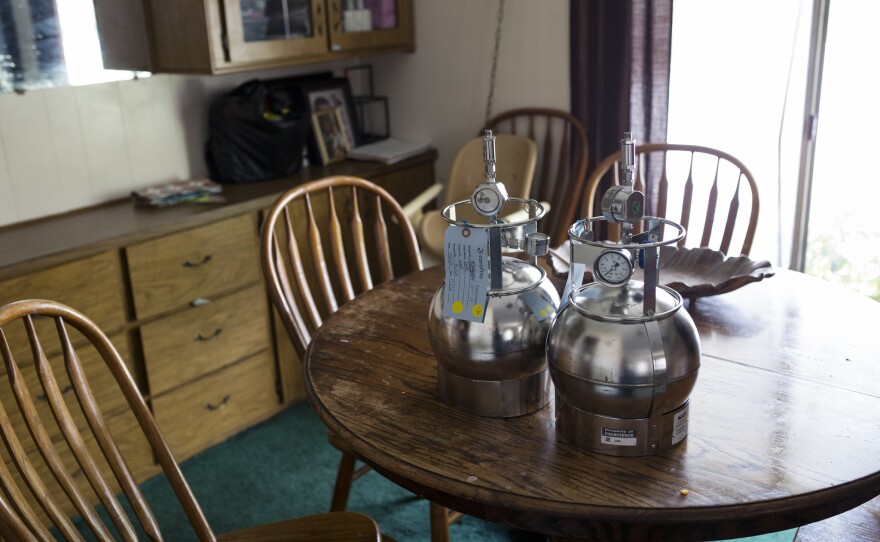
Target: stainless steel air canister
x=488, y=322
x=624, y=355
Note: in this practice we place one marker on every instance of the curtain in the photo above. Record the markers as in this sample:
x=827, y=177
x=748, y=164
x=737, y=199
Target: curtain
x=620, y=55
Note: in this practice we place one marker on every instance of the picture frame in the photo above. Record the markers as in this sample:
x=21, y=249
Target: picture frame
x=330, y=135
x=336, y=92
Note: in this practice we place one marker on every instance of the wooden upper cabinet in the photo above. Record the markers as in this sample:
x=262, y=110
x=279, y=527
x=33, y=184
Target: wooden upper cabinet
x=382, y=24
x=264, y=30
x=221, y=36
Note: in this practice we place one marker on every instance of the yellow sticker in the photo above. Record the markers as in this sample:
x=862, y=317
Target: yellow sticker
x=543, y=314
x=476, y=310
x=457, y=307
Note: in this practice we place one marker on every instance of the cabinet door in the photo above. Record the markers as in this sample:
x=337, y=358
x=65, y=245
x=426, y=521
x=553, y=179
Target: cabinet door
x=370, y=24
x=265, y=30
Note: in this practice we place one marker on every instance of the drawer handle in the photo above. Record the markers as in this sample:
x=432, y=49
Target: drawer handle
x=219, y=406
x=67, y=389
x=200, y=337
x=205, y=260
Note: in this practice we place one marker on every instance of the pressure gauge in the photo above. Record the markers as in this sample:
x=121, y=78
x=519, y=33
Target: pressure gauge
x=613, y=267
x=489, y=198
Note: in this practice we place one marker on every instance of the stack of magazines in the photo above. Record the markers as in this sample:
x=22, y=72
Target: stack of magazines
x=182, y=191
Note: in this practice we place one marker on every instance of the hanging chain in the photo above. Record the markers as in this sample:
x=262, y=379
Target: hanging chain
x=494, y=61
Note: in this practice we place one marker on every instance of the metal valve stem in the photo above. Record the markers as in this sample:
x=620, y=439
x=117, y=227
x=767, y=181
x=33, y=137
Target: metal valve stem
x=489, y=155
x=627, y=159
x=627, y=172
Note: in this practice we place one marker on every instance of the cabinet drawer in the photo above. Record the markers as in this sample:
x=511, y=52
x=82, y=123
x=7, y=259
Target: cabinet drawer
x=109, y=397
x=188, y=344
x=209, y=410
x=172, y=271
x=92, y=286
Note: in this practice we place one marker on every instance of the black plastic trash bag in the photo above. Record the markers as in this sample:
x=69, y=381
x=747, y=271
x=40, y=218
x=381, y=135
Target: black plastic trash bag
x=255, y=134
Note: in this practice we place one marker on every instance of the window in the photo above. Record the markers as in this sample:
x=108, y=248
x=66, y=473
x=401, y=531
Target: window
x=739, y=82
x=51, y=43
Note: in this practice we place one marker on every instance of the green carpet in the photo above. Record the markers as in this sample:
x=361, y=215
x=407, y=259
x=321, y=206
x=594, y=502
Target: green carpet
x=285, y=468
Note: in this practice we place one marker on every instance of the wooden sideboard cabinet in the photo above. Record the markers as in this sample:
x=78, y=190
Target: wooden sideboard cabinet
x=221, y=36
x=180, y=293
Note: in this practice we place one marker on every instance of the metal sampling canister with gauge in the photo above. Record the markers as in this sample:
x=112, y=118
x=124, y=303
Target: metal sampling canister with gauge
x=488, y=322
x=623, y=353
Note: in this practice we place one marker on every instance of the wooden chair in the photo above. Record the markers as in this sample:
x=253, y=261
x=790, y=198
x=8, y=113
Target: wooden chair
x=517, y=157
x=700, y=174
x=307, y=282
x=563, y=152
x=75, y=460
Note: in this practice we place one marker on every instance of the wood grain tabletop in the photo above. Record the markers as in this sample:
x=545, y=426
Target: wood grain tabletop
x=783, y=420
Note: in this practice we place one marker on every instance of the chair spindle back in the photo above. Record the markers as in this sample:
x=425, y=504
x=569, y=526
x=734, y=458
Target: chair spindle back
x=563, y=151
x=348, y=215
x=82, y=464
x=708, y=180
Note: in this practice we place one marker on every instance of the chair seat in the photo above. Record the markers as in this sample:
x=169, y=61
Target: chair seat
x=332, y=527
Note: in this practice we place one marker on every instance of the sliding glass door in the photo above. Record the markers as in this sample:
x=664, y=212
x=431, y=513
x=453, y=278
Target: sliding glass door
x=747, y=77
x=843, y=229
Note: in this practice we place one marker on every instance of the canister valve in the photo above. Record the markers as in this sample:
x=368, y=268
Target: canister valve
x=489, y=196
x=622, y=204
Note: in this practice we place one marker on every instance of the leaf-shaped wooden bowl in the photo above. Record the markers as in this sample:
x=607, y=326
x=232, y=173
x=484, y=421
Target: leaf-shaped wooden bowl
x=692, y=272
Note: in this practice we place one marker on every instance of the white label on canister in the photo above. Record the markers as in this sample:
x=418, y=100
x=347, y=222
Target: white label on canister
x=619, y=437
x=680, y=425
x=540, y=307
x=575, y=279
x=466, y=291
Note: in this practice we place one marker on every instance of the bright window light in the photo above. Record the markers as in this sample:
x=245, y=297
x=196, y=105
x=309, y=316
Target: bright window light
x=82, y=50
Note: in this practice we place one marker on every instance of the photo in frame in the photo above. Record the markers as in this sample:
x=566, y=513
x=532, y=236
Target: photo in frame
x=329, y=93
x=330, y=134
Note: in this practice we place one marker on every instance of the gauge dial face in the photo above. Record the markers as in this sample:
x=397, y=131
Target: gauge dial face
x=613, y=267
x=487, y=199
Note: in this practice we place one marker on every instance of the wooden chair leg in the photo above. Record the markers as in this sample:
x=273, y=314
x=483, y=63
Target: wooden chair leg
x=439, y=523
x=344, y=477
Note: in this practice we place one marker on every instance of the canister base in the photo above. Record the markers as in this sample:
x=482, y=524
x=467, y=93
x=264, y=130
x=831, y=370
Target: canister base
x=620, y=436
x=495, y=398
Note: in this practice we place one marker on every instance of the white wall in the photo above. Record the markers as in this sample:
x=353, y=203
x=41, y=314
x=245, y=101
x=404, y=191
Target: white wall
x=439, y=93
x=63, y=149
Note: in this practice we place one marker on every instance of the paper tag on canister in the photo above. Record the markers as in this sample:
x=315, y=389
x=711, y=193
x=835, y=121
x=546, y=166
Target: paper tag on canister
x=466, y=292
x=539, y=306
x=575, y=279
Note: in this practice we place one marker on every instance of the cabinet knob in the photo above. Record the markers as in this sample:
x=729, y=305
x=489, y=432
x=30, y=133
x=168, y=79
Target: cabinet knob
x=200, y=263
x=200, y=337
x=221, y=405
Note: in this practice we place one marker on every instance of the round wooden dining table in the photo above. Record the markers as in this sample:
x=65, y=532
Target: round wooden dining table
x=784, y=420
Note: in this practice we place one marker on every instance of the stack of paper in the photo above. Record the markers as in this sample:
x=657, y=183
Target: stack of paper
x=388, y=151
x=174, y=192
